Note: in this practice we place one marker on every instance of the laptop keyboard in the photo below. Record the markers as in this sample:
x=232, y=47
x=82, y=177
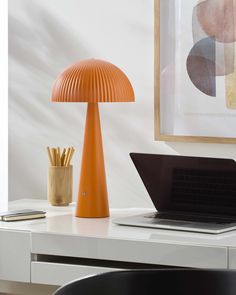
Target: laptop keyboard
x=192, y=218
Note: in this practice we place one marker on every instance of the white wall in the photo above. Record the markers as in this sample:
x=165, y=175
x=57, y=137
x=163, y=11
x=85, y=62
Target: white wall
x=47, y=36
x=3, y=108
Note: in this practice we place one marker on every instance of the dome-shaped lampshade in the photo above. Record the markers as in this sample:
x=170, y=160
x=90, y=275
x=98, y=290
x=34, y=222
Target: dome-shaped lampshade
x=93, y=81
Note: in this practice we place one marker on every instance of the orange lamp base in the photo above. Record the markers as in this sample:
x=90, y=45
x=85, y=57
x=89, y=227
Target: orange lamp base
x=92, y=197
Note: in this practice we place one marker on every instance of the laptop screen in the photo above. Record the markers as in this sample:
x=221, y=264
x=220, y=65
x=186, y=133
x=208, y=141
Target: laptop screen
x=191, y=184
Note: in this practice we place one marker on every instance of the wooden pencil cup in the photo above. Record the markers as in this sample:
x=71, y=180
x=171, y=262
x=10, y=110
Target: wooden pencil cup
x=60, y=183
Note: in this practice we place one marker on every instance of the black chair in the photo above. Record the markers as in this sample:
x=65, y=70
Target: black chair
x=156, y=281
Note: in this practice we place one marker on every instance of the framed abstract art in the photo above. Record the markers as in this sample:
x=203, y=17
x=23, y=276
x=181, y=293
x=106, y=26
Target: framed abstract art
x=195, y=70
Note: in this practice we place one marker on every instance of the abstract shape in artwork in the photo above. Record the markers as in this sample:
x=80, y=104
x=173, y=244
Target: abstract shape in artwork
x=224, y=55
x=201, y=66
x=217, y=19
x=226, y=58
x=214, y=50
x=230, y=88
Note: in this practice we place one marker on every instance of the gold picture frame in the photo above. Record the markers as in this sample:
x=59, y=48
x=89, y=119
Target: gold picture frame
x=159, y=135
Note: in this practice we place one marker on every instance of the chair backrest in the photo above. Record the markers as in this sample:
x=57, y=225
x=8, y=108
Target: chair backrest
x=156, y=281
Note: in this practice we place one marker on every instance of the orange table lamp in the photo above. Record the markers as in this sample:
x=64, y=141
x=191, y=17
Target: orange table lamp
x=92, y=81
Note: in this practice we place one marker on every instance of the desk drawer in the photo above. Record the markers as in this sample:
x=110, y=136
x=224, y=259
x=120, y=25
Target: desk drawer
x=153, y=251
x=58, y=273
x=232, y=258
x=15, y=256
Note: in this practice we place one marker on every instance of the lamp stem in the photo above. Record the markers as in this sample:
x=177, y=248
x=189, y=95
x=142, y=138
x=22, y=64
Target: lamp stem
x=92, y=198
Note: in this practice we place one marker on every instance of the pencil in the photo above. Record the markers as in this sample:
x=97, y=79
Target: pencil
x=63, y=157
x=54, y=154
x=50, y=156
x=58, y=157
x=67, y=155
x=70, y=156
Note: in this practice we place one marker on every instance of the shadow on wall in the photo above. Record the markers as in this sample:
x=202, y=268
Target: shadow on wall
x=41, y=45
x=33, y=42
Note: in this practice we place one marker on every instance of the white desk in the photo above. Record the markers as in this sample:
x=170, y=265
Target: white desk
x=62, y=247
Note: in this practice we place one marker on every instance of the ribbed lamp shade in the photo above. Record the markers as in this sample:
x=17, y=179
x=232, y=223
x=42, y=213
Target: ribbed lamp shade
x=91, y=81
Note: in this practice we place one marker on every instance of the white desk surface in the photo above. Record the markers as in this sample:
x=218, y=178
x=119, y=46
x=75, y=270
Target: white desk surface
x=98, y=245
x=61, y=234
x=61, y=220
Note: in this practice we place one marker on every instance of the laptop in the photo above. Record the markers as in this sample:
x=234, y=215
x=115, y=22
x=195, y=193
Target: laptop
x=193, y=194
